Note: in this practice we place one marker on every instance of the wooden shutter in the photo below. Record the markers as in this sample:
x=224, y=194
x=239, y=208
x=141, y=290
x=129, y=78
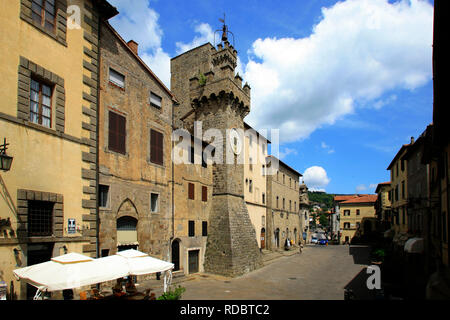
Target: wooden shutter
x=117, y=133
x=191, y=191
x=156, y=147
x=204, y=193
x=112, y=129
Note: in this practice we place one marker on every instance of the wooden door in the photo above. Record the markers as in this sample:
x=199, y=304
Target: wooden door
x=263, y=238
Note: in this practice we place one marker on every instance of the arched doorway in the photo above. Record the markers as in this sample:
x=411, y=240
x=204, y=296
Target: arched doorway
x=263, y=238
x=295, y=236
x=277, y=237
x=127, y=233
x=176, y=254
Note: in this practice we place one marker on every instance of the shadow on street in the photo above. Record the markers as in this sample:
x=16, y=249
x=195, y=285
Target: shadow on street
x=357, y=288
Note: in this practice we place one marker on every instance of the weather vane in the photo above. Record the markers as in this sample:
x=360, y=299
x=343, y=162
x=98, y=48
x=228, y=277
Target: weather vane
x=224, y=30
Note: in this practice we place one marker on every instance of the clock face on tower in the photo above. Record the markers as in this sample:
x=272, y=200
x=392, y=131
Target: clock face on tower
x=235, y=141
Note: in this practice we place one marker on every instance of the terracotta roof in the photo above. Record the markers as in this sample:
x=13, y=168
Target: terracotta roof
x=344, y=198
x=388, y=183
x=369, y=198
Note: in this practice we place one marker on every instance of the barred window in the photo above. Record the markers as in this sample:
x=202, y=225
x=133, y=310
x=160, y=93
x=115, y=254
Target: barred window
x=40, y=218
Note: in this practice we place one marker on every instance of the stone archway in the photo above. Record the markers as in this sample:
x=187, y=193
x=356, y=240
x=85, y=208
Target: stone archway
x=127, y=226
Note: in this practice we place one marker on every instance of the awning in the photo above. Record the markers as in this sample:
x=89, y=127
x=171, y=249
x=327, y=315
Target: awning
x=414, y=245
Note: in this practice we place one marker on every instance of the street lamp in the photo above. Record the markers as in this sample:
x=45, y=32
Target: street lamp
x=5, y=160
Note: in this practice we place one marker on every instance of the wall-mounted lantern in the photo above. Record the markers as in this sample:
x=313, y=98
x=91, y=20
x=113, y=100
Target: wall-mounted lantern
x=5, y=160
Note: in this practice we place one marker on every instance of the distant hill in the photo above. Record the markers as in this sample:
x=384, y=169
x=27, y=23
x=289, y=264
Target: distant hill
x=321, y=197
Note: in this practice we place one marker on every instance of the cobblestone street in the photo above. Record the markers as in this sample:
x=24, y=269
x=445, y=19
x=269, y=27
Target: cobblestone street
x=318, y=273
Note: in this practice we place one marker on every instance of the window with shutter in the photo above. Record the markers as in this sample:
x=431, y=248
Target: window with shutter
x=191, y=228
x=116, y=78
x=156, y=147
x=191, y=191
x=204, y=193
x=155, y=100
x=117, y=133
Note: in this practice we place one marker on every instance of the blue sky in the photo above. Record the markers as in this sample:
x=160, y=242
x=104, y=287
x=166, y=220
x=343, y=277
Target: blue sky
x=347, y=83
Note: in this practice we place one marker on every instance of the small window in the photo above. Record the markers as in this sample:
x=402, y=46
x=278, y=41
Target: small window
x=41, y=103
x=250, y=186
x=403, y=190
x=154, y=202
x=204, y=193
x=105, y=252
x=284, y=203
x=116, y=78
x=263, y=198
x=251, y=164
x=117, y=133
x=191, y=191
x=191, y=227
x=155, y=100
x=192, y=155
x=204, y=228
x=43, y=12
x=277, y=202
x=346, y=212
x=103, y=192
x=357, y=212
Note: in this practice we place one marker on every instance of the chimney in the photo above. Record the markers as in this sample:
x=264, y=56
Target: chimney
x=412, y=140
x=133, y=46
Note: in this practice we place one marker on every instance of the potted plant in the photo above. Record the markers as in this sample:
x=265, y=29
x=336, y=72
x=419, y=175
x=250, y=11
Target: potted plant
x=172, y=295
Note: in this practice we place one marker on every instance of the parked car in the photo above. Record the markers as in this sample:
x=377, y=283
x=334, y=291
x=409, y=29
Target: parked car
x=314, y=240
x=323, y=241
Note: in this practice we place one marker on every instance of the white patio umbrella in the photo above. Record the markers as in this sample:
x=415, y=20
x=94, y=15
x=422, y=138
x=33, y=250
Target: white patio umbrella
x=69, y=271
x=139, y=263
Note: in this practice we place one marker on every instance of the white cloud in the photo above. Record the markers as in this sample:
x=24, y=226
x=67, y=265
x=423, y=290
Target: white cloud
x=316, y=178
x=327, y=148
x=206, y=34
x=139, y=22
x=362, y=187
x=287, y=151
x=360, y=50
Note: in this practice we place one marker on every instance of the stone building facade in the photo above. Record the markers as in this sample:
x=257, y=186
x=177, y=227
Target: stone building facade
x=209, y=92
x=193, y=189
x=304, y=212
x=399, y=194
x=255, y=185
x=135, y=126
x=357, y=216
x=49, y=118
x=383, y=205
x=283, y=209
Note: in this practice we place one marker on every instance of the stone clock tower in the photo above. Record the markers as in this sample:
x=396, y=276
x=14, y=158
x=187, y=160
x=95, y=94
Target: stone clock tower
x=204, y=82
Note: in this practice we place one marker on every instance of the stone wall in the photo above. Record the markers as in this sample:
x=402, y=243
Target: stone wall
x=132, y=177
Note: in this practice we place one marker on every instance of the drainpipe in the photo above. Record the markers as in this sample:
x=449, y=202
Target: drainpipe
x=97, y=135
x=173, y=187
